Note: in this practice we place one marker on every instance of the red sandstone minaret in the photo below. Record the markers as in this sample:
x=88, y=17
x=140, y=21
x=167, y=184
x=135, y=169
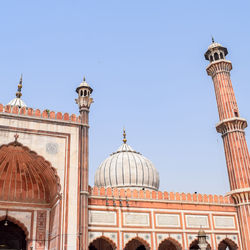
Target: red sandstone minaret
x=232, y=126
x=84, y=101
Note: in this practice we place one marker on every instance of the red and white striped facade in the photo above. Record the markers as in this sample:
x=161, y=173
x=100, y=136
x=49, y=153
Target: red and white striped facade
x=231, y=126
x=44, y=186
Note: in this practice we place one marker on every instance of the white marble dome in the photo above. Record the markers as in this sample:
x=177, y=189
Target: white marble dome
x=127, y=168
x=17, y=102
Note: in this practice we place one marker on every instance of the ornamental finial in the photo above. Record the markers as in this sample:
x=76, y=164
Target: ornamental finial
x=16, y=137
x=124, y=136
x=19, y=88
x=84, y=79
x=212, y=39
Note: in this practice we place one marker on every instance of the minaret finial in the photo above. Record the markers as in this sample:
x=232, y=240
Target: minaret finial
x=212, y=39
x=19, y=88
x=124, y=136
x=84, y=79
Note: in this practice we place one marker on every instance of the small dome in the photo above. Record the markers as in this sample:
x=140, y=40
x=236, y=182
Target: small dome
x=214, y=45
x=127, y=168
x=84, y=84
x=17, y=102
x=201, y=233
x=214, y=48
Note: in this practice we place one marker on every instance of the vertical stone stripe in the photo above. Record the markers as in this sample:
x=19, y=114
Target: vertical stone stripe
x=41, y=230
x=242, y=231
x=237, y=162
x=229, y=163
x=245, y=217
x=225, y=97
x=246, y=159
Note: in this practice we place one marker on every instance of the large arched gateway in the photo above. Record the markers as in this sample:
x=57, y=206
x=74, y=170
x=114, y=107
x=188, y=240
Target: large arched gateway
x=27, y=180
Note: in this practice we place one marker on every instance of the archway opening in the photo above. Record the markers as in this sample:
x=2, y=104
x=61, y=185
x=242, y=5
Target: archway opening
x=169, y=245
x=11, y=236
x=101, y=244
x=136, y=244
x=194, y=245
x=227, y=245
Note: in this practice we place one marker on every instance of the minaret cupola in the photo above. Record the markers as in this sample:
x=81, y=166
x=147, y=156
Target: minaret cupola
x=84, y=92
x=215, y=52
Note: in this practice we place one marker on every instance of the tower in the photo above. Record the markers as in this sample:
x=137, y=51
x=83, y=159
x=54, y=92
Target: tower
x=84, y=101
x=232, y=126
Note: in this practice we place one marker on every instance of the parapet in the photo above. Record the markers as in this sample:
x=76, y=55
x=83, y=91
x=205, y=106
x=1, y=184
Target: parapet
x=37, y=113
x=146, y=195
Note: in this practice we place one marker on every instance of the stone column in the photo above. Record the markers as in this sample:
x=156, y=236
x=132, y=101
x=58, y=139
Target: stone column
x=84, y=101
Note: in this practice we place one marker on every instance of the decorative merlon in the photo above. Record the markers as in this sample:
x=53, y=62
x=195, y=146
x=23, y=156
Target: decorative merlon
x=45, y=114
x=120, y=196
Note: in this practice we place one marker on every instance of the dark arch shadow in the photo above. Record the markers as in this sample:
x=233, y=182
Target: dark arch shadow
x=170, y=244
x=102, y=243
x=137, y=243
x=12, y=236
x=227, y=243
x=194, y=245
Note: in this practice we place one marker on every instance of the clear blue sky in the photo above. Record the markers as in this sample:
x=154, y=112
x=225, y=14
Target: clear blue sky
x=145, y=62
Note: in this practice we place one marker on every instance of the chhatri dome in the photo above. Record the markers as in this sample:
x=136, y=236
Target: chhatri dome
x=127, y=168
x=17, y=101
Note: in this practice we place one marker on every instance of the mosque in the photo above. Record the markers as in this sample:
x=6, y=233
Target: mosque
x=46, y=202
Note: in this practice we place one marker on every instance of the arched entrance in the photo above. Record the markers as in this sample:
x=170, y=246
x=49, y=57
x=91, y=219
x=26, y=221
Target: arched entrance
x=11, y=236
x=169, y=244
x=227, y=244
x=137, y=244
x=194, y=245
x=102, y=243
x=28, y=178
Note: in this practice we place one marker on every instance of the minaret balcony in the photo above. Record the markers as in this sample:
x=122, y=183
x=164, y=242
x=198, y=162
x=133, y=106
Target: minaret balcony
x=241, y=196
x=235, y=124
x=219, y=66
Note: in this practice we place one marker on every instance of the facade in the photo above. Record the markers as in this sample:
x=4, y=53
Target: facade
x=46, y=202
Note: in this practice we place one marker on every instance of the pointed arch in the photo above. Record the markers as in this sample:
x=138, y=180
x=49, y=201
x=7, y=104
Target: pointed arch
x=172, y=241
x=18, y=223
x=97, y=243
x=227, y=243
x=26, y=176
x=136, y=242
x=194, y=245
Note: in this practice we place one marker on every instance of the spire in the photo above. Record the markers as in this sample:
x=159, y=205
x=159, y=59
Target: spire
x=124, y=136
x=19, y=89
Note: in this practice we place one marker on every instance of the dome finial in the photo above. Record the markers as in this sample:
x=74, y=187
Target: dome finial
x=124, y=136
x=212, y=39
x=84, y=79
x=19, y=89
